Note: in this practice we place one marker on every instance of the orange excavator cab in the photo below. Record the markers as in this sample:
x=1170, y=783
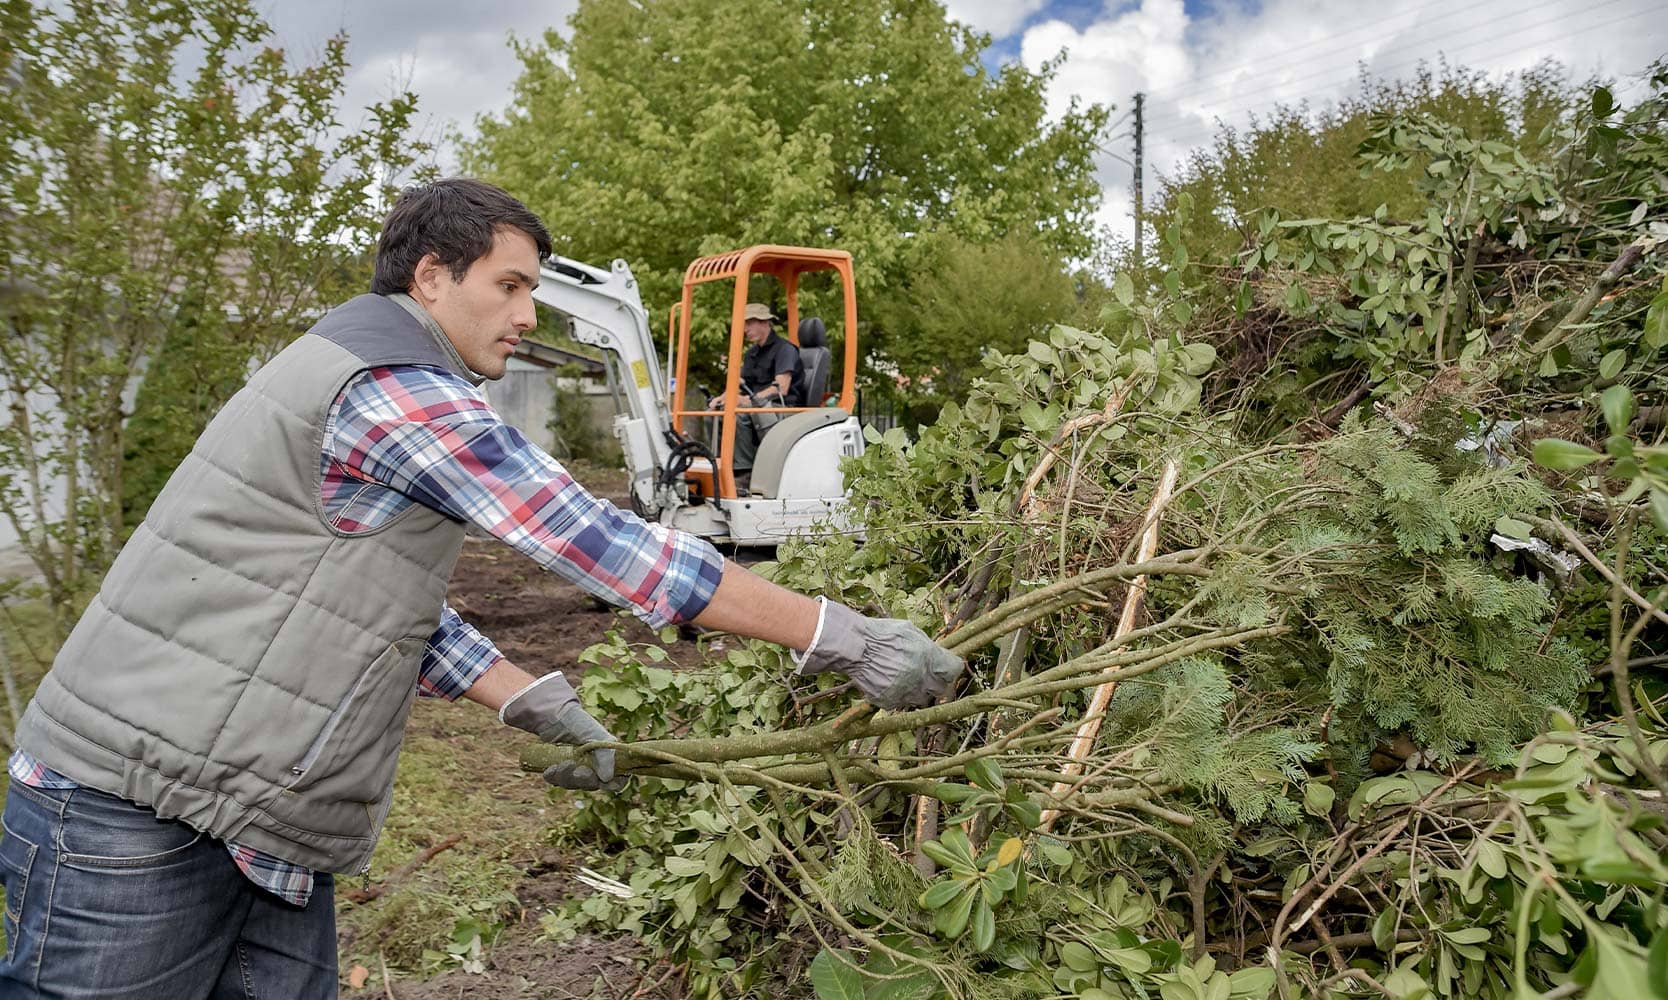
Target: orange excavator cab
x=787, y=265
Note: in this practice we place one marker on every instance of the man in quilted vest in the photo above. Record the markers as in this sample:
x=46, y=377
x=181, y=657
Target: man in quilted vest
x=217, y=738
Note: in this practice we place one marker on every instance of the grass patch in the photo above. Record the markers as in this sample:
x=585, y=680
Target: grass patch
x=458, y=775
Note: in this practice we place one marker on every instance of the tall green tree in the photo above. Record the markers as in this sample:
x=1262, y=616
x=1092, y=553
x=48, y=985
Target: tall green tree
x=662, y=130
x=968, y=301
x=176, y=200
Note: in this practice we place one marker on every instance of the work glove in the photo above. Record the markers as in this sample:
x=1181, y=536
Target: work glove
x=549, y=709
x=893, y=663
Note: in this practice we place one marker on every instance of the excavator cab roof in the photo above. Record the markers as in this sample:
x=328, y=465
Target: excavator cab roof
x=786, y=264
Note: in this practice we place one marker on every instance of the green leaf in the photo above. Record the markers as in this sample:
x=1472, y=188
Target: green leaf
x=1123, y=289
x=1656, y=964
x=1611, y=364
x=1617, y=404
x=1197, y=359
x=941, y=892
x=1604, y=102
x=1656, y=322
x=1511, y=527
x=1078, y=957
x=1134, y=960
x=834, y=978
x=1491, y=859
x=919, y=986
x=1318, y=798
x=1384, y=929
x=1026, y=813
x=982, y=771
x=1467, y=935
x=1252, y=983
x=685, y=867
x=1554, y=453
x=955, y=794
x=952, y=920
x=984, y=926
x=944, y=856
x=957, y=843
x=1620, y=974
x=1659, y=510
x=1055, y=853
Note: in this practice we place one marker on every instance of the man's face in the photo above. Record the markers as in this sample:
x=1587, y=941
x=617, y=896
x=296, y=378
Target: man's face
x=755, y=331
x=485, y=314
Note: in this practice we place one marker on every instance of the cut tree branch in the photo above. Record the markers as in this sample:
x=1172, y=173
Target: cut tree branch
x=1629, y=258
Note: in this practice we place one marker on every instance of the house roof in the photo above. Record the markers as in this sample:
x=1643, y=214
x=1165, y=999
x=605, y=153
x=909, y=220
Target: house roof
x=548, y=356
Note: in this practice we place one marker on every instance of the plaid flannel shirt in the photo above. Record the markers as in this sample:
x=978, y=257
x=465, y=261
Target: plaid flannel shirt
x=405, y=434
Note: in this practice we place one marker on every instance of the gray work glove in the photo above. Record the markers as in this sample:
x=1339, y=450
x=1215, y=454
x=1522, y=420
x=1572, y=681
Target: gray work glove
x=549, y=709
x=893, y=663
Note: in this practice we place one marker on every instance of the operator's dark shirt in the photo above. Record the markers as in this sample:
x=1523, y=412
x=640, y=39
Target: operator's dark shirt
x=761, y=364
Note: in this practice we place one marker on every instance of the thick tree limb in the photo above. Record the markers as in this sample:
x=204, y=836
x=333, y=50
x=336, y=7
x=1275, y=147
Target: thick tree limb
x=1133, y=596
x=1629, y=258
x=645, y=757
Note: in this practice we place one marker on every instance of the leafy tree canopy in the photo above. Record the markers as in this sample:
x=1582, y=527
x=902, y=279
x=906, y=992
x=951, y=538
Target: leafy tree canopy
x=176, y=198
x=661, y=131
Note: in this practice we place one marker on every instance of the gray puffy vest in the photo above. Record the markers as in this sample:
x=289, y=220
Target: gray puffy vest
x=246, y=667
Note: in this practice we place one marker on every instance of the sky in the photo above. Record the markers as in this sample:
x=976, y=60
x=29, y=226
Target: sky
x=1198, y=61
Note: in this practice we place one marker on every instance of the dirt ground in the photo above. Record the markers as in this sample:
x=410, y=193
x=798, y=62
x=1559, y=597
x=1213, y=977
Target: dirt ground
x=541, y=623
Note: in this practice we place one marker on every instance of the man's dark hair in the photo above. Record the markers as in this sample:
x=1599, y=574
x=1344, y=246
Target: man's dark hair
x=456, y=220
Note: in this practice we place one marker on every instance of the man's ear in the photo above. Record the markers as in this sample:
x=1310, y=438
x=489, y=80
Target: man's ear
x=426, y=278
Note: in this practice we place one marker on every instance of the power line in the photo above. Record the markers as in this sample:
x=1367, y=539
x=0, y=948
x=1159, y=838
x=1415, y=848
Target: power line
x=1246, y=102
x=1263, y=98
x=1285, y=54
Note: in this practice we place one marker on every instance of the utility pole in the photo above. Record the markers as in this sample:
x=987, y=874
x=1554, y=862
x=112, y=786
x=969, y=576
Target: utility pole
x=1139, y=100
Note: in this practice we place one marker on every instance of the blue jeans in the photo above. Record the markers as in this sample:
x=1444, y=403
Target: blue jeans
x=105, y=900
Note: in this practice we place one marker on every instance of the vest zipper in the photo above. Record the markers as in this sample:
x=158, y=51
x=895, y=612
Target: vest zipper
x=376, y=831
x=307, y=760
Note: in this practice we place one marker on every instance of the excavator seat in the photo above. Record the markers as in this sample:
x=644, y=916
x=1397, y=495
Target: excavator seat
x=773, y=450
x=815, y=356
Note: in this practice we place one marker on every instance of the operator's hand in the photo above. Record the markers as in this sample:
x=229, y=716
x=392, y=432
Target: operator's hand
x=549, y=709
x=893, y=663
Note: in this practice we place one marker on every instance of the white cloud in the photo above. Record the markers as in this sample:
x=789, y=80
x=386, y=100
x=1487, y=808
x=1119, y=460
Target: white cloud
x=998, y=18
x=459, y=67
x=1243, y=59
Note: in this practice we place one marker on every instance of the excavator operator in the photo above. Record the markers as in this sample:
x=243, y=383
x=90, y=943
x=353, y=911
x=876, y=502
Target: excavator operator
x=772, y=373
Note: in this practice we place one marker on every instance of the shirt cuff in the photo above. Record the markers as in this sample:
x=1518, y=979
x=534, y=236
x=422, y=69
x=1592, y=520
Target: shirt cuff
x=456, y=656
x=690, y=580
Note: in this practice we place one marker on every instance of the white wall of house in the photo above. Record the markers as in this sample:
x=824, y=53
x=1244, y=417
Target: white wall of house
x=43, y=415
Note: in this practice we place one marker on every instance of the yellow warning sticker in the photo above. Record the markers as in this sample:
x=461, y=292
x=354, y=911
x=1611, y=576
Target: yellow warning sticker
x=640, y=372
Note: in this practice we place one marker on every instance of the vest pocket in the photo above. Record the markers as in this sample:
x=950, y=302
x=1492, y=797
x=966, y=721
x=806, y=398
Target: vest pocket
x=350, y=764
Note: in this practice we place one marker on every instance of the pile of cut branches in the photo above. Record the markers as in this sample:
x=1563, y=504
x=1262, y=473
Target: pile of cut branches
x=1370, y=708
